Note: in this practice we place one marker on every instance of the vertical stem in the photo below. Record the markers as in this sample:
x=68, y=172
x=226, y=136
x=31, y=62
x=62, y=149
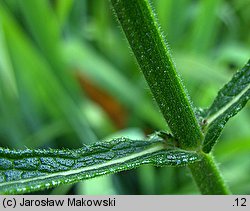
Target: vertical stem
x=152, y=53
x=207, y=176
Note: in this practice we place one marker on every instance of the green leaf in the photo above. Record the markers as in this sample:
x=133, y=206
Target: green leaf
x=153, y=55
x=23, y=171
x=229, y=101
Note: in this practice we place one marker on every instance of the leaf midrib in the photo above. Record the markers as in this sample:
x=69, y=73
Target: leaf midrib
x=150, y=150
x=227, y=106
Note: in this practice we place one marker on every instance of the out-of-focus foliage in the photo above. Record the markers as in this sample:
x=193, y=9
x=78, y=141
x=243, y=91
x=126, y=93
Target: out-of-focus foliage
x=67, y=78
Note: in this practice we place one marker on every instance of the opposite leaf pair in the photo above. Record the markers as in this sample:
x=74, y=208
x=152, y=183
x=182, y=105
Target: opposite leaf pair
x=28, y=170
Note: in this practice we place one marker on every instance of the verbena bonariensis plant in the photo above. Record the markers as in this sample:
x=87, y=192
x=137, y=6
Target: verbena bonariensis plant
x=193, y=134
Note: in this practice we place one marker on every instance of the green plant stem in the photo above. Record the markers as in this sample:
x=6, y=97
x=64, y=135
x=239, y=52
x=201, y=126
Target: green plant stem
x=207, y=176
x=152, y=53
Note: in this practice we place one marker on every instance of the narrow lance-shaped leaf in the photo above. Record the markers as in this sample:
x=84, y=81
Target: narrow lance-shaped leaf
x=23, y=171
x=153, y=56
x=229, y=101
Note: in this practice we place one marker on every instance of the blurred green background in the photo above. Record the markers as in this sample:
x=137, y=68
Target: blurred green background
x=68, y=78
